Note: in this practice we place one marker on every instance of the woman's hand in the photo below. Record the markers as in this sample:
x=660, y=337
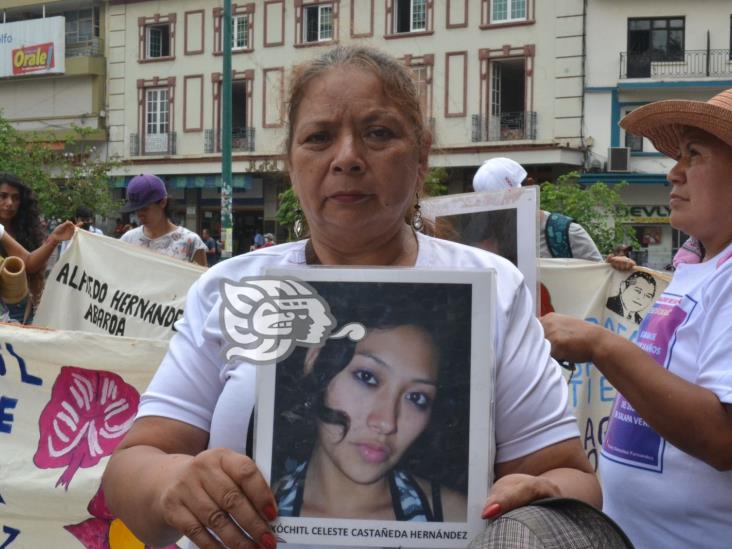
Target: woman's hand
x=572, y=339
x=218, y=490
x=64, y=231
x=621, y=262
x=517, y=490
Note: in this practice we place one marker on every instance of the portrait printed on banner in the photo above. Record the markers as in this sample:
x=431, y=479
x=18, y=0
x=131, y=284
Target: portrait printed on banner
x=636, y=294
x=374, y=433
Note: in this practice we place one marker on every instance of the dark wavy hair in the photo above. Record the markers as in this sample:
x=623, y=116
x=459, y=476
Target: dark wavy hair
x=442, y=311
x=25, y=227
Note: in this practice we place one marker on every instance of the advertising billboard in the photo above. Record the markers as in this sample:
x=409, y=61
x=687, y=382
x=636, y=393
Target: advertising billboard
x=36, y=46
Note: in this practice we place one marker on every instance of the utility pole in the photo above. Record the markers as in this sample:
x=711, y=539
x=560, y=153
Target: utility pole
x=227, y=225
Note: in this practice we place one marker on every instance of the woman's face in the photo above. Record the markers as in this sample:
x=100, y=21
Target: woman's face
x=152, y=213
x=701, y=194
x=638, y=296
x=354, y=162
x=387, y=392
x=9, y=202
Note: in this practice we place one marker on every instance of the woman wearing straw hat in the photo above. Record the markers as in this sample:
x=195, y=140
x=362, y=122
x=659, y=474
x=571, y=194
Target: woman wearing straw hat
x=667, y=456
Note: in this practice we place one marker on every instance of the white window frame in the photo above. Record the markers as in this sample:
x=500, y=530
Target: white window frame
x=412, y=14
x=324, y=33
x=236, y=35
x=157, y=119
x=509, y=8
x=149, y=41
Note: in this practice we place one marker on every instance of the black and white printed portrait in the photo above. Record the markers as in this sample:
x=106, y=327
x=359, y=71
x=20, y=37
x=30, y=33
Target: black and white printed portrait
x=636, y=293
x=379, y=428
x=495, y=231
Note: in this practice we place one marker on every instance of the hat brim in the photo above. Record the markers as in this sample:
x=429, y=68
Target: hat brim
x=663, y=122
x=130, y=207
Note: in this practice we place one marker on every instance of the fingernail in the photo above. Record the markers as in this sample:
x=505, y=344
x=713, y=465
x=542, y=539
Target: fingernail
x=270, y=512
x=267, y=540
x=491, y=511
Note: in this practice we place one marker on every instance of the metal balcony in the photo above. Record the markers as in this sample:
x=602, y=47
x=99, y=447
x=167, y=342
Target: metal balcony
x=153, y=144
x=680, y=65
x=506, y=126
x=242, y=140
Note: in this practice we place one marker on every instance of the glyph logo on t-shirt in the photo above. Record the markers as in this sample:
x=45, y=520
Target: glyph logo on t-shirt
x=264, y=319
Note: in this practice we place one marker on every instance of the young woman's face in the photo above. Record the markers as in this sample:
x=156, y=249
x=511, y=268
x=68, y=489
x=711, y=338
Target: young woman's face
x=387, y=391
x=151, y=213
x=9, y=202
x=354, y=162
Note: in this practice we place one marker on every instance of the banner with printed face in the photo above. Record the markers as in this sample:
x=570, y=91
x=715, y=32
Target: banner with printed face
x=35, y=46
x=66, y=401
x=616, y=300
x=102, y=285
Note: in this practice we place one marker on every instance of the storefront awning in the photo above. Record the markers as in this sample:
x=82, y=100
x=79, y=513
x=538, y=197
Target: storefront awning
x=618, y=177
x=241, y=181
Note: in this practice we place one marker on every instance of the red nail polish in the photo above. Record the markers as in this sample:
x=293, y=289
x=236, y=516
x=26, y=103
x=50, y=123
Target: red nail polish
x=268, y=541
x=491, y=511
x=270, y=512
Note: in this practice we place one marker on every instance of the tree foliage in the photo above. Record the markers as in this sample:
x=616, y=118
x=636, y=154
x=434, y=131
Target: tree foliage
x=597, y=207
x=62, y=180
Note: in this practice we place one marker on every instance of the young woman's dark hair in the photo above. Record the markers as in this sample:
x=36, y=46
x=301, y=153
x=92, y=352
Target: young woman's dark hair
x=25, y=226
x=442, y=311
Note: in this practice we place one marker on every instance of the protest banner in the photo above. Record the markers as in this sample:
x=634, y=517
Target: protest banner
x=66, y=400
x=616, y=300
x=425, y=347
x=102, y=285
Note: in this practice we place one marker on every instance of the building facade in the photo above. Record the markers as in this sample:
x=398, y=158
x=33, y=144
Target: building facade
x=496, y=77
x=639, y=52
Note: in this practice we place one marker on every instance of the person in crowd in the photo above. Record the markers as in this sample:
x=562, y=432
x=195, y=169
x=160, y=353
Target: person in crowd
x=212, y=249
x=20, y=215
x=268, y=240
x=670, y=432
x=257, y=241
x=559, y=235
x=357, y=151
x=84, y=219
x=148, y=198
x=379, y=428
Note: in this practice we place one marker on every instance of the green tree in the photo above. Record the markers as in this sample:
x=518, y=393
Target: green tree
x=62, y=180
x=597, y=207
x=434, y=183
x=287, y=211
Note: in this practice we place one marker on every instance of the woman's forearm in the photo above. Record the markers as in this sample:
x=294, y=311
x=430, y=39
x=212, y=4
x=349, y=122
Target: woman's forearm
x=133, y=482
x=577, y=484
x=690, y=417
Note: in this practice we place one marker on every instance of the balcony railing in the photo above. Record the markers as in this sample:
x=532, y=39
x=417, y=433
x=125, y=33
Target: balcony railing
x=153, y=144
x=87, y=48
x=686, y=64
x=242, y=140
x=506, y=126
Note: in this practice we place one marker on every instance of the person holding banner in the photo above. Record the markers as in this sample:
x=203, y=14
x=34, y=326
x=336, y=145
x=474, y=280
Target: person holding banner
x=147, y=196
x=357, y=150
x=666, y=462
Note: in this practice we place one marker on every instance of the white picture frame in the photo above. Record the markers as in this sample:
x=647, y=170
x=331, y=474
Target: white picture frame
x=470, y=297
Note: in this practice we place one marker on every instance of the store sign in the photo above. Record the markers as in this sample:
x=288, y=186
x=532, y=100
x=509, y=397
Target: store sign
x=36, y=46
x=649, y=214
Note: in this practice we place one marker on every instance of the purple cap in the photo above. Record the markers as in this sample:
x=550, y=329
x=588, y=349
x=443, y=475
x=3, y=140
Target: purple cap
x=142, y=191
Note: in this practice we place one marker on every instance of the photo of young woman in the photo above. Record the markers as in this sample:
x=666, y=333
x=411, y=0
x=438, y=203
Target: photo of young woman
x=378, y=429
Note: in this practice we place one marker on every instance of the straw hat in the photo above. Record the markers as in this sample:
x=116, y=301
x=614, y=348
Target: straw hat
x=663, y=122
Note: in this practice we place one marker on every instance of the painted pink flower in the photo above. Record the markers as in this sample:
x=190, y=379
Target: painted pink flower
x=87, y=416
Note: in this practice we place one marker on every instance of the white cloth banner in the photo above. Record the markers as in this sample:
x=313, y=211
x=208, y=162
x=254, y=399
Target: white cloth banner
x=102, y=285
x=602, y=295
x=66, y=400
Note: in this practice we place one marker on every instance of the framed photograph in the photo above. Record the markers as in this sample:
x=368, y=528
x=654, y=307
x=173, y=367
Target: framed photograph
x=505, y=223
x=379, y=434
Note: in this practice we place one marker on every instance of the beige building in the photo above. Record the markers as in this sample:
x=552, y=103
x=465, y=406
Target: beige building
x=497, y=78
